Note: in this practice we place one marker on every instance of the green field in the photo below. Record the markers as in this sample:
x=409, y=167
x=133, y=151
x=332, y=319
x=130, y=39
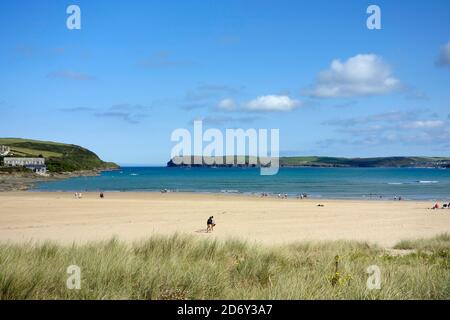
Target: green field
x=59, y=157
x=183, y=267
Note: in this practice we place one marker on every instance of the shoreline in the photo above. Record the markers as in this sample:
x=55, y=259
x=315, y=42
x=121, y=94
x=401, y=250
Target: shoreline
x=11, y=182
x=59, y=216
x=244, y=194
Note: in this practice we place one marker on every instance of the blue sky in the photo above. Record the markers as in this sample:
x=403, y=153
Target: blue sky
x=137, y=70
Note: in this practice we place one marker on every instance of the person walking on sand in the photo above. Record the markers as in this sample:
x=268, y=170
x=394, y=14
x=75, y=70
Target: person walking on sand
x=210, y=224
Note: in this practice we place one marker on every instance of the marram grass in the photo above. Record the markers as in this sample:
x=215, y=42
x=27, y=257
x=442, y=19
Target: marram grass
x=440, y=242
x=184, y=267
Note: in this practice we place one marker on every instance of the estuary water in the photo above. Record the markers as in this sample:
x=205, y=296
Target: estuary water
x=340, y=183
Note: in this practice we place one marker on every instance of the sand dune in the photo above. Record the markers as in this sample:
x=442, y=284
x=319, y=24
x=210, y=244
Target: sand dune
x=59, y=216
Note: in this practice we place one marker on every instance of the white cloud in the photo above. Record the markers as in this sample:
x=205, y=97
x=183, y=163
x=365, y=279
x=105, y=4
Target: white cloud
x=402, y=128
x=272, y=103
x=444, y=57
x=227, y=104
x=424, y=124
x=221, y=120
x=363, y=74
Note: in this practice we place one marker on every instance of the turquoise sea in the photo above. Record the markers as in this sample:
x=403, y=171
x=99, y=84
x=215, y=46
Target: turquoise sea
x=354, y=183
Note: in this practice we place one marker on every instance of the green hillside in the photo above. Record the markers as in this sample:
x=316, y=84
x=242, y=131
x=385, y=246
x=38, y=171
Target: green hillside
x=366, y=162
x=59, y=157
x=428, y=162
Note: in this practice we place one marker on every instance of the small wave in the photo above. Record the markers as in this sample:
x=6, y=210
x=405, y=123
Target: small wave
x=395, y=183
x=133, y=174
x=229, y=191
x=427, y=181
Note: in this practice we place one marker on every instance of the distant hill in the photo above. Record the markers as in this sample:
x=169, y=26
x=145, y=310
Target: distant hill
x=366, y=162
x=59, y=157
x=426, y=162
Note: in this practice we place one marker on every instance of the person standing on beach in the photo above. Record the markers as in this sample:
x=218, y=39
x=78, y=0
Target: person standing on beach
x=210, y=224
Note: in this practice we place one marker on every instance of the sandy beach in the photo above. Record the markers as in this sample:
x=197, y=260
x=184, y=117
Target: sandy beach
x=130, y=216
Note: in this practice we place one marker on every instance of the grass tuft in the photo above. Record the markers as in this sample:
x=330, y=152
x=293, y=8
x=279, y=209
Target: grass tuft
x=438, y=243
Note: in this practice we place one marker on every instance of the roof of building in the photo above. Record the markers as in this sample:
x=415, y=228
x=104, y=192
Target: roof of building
x=24, y=158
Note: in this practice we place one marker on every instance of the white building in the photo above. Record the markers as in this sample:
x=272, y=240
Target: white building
x=35, y=164
x=4, y=150
x=21, y=162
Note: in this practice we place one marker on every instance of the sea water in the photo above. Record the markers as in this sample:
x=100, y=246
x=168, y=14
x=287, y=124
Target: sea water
x=352, y=183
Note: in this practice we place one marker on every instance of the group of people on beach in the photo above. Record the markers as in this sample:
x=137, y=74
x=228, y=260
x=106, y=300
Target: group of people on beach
x=79, y=195
x=444, y=206
x=285, y=196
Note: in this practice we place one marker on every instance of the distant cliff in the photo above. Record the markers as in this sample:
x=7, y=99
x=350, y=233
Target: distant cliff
x=59, y=157
x=396, y=162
